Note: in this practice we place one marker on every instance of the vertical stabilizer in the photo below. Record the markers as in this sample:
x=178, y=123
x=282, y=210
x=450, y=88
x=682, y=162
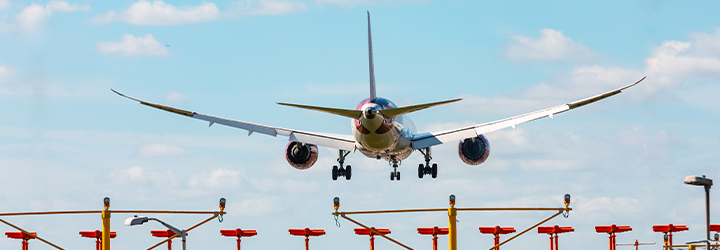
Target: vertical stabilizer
x=373, y=96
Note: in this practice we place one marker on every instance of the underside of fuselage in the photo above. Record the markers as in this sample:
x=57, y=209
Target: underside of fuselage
x=380, y=137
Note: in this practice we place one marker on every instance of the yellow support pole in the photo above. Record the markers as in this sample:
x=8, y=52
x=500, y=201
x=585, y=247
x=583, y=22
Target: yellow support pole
x=106, y=225
x=452, y=228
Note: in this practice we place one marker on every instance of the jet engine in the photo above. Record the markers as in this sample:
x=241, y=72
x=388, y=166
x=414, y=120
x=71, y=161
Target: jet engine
x=475, y=150
x=301, y=155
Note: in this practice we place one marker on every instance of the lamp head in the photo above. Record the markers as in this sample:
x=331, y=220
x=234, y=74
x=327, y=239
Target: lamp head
x=717, y=237
x=698, y=181
x=567, y=200
x=665, y=237
x=106, y=203
x=134, y=221
x=452, y=200
x=336, y=203
x=222, y=204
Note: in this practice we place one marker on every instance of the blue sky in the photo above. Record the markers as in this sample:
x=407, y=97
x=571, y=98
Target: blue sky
x=66, y=141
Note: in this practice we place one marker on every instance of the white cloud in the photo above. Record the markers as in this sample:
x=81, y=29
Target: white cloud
x=256, y=207
x=161, y=13
x=134, y=46
x=154, y=150
x=674, y=60
x=33, y=17
x=268, y=7
x=173, y=96
x=552, y=45
x=4, y=4
x=217, y=178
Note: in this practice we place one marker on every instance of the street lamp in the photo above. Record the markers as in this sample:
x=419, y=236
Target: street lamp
x=134, y=221
x=707, y=183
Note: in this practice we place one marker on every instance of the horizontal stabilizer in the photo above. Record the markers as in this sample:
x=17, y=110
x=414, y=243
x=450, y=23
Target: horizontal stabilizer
x=349, y=113
x=356, y=114
x=390, y=113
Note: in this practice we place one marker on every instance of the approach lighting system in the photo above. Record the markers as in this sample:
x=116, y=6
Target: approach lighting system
x=336, y=203
x=134, y=221
x=567, y=200
x=452, y=200
x=106, y=203
x=222, y=204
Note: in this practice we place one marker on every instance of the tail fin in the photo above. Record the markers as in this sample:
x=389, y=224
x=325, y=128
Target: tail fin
x=373, y=95
x=356, y=114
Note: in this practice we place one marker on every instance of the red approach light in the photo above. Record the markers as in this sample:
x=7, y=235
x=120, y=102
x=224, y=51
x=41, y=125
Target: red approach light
x=96, y=234
x=164, y=233
x=715, y=228
x=433, y=231
x=307, y=232
x=363, y=231
x=497, y=230
x=612, y=229
x=21, y=235
x=669, y=228
x=238, y=232
x=555, y=230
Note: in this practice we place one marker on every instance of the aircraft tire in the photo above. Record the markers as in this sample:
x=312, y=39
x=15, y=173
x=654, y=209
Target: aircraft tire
x=392, y=176
x=398, y=176
x=434, y=170
x=348, y=172
x=421, y=171
x=334, y=173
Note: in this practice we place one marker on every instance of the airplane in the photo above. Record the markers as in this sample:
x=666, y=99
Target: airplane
x=382, y=130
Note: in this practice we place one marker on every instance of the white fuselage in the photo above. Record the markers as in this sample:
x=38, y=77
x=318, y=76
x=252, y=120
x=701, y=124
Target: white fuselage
x=378, y=137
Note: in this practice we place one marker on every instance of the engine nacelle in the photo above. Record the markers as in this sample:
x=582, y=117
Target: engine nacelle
x=475, y=150
x=301, y=155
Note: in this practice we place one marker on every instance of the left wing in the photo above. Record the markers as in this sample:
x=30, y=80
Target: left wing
x=425, y=140
x=343, y=142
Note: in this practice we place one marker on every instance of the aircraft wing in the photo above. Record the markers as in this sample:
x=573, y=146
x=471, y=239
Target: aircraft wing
x=343, y=142
x=425, y=140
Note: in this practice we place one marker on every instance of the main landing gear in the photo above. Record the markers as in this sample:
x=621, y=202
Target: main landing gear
x=426, y=169
x=347, y=171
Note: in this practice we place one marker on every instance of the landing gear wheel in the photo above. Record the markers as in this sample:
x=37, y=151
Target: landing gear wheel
x=341, y=171
x=392, y=176
x=421, y=171
x=397, y=175
x=334, y=173
x=434, y=170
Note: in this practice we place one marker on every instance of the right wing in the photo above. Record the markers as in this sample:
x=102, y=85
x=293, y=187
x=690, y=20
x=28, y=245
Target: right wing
x=343, y=142
x=425, y=140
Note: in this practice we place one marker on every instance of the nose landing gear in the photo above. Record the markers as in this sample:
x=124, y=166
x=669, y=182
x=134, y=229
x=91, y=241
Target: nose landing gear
x=394, y=174
x=427, y=169
x=342, y=171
